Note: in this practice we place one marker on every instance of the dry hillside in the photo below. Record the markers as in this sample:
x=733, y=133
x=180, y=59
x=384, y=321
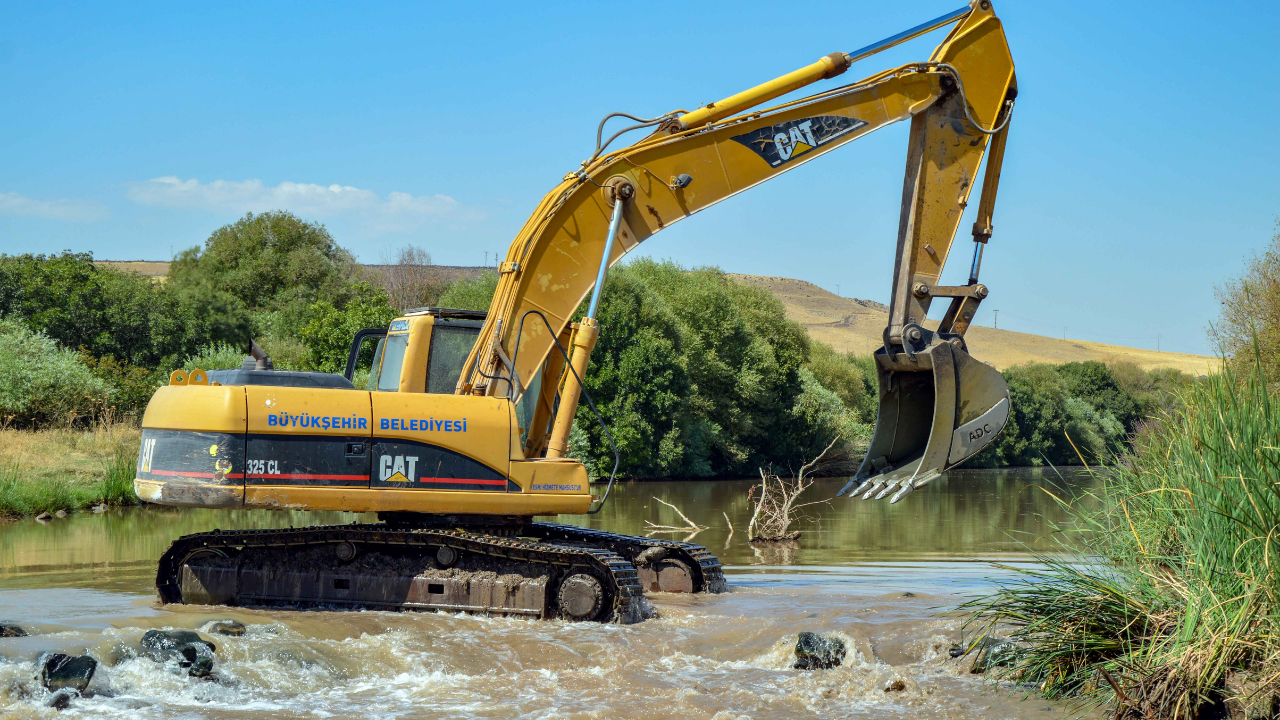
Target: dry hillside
x=849, y=324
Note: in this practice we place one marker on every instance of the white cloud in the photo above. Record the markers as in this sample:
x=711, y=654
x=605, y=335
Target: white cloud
x=399, y=211
x=70, y=210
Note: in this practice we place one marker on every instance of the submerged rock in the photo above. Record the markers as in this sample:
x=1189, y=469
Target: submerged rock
x=9, y=630
x=58, y=671
x=61, y=700
x=190, y=650
x=231, y=628
x=60, y=513
x=818, y=652
x=895, y=685
x=990, y=652
x=43, y=517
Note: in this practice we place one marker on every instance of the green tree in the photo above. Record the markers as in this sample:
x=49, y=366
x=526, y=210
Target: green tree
x=1250, y=314
x=111, y=314
x=273, y=262
x=329, y=331
x=471, y=294
x=1094, y=383
x=849, y=376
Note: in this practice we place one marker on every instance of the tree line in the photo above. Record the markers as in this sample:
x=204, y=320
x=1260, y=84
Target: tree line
x=697, y=375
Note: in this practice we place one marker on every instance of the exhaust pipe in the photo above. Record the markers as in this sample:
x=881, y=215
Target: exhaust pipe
x=938, y=408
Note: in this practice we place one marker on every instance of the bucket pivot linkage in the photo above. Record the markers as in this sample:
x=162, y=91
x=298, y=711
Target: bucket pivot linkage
x=938, y=408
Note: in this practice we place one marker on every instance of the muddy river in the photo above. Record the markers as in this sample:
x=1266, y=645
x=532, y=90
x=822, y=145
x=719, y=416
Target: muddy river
x=882, y=577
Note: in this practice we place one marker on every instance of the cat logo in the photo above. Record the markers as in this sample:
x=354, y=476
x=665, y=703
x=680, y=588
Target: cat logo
x=784, y=142
x=397, y=468
x=144, y=457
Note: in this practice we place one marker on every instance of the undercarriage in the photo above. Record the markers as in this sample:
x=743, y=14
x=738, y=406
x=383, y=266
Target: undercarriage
x=519, y=568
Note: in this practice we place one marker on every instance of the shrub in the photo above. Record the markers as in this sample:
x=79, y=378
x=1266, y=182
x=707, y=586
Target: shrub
x=43, y=383
x=471, y=294
x=329, y=331
x=216, y=356
x=273, y=261
x=112, y=314
x=699, y=376
x=132, y=386
x=851, y=377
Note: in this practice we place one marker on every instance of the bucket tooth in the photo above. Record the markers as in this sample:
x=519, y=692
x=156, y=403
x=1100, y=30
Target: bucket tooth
x=938, y=408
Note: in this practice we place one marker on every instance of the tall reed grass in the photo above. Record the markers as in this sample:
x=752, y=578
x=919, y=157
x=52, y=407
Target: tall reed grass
x=21, y=495
x=1172, y=611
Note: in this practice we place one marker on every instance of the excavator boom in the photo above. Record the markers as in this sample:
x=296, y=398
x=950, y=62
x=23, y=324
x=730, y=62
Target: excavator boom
x=958, y=102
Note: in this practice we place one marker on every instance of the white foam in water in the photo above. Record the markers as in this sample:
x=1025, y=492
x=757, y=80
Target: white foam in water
x=723, y=657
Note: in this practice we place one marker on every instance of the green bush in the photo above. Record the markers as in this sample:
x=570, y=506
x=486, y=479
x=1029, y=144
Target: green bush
x=112, y=314
x=1066, y=414
x=216, y=356
x=43, y=383
x=329, y=331
x=849, y=376
x=699, y=376
x=132, y=386
x=471, y=294
x=273, y=261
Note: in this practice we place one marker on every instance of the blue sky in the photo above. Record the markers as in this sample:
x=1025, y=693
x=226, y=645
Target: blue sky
x=1143, y=167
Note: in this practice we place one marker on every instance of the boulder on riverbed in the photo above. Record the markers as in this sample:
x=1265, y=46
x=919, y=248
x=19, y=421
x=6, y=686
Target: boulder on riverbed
x=191, y=651
x=61, y=700
x=230, y=628
x=11, y=630
x=988, y=652
x=58, y=671
x=818, y=652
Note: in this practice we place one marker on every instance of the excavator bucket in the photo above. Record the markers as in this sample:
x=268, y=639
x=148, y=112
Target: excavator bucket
x=938, y=408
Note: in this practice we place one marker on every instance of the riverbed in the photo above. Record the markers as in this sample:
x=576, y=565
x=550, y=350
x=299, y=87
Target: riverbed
x=884, y=578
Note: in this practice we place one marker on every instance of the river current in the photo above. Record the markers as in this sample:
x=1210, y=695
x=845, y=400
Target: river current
x=887, y=579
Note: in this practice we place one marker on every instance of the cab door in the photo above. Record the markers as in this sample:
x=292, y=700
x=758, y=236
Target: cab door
x=307, y=436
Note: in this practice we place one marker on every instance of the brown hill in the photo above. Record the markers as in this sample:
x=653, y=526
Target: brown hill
x=848, y=324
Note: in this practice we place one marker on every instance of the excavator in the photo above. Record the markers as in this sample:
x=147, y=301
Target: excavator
x=460, y=438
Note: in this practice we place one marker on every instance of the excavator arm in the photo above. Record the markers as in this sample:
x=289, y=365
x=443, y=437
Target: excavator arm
x=938, y=406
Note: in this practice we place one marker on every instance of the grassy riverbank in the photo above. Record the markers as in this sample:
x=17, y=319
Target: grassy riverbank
x=1175, y=612
x=67, y=469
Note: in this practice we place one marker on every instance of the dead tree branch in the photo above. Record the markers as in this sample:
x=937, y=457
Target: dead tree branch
x=775, y=502
x=689, y=527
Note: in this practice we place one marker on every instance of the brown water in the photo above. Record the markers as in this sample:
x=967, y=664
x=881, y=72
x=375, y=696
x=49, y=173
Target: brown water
x=85, y=583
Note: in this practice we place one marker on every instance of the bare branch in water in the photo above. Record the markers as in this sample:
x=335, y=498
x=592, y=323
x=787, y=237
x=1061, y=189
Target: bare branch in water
x=775, y=502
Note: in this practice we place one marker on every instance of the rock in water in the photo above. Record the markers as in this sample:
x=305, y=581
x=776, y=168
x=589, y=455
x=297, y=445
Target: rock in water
x=228, y=627
x=818, y=652
x=7, y=630
x=190, y=650
x=58, y=671
x=61, y=700
x=990, y=652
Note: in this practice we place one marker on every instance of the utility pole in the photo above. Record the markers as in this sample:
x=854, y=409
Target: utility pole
x=1064, y=332
x=486, y=258
x=1157, y=342
x=997, y=320
x=837, y=289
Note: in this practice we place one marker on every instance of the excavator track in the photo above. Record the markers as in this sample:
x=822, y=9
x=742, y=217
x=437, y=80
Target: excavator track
x=548, y=571
x=659, y=562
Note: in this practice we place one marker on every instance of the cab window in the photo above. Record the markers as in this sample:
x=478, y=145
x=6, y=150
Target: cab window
x=392, y=352
x=450, y=345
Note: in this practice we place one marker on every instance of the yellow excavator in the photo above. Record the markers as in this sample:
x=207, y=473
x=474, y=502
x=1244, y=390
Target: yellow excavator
x=460, y=438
